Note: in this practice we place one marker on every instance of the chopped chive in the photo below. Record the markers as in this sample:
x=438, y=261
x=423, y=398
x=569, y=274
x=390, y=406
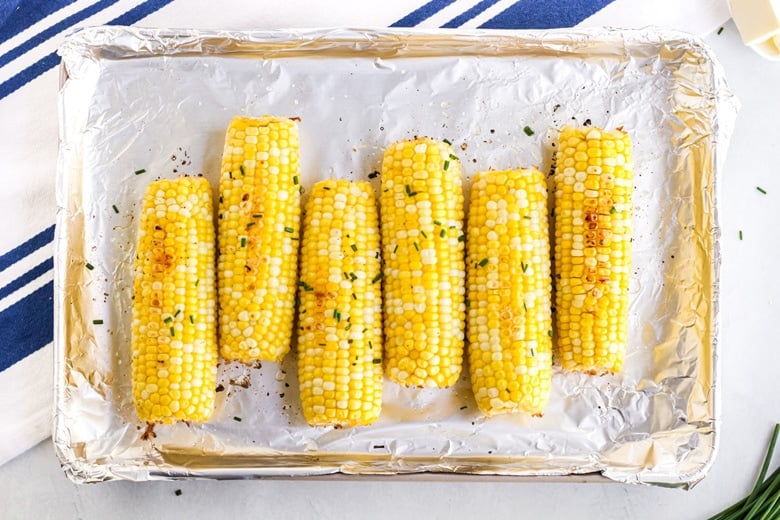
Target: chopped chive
x=533, y=353
x=370, y=345
x=528, y=131
x=762, y=190
x=740, y=234
x=177, y=492
x=243, y=241
x=139, y=172
x=720, y=31
x=525, y=307
x=306, y=287
x=197, y=282
x=463, y=407
x=97, y=322
x=523, y=266
x=241, y=167
x=423, y=234
x=288, y=230
x=116, y=210
x=354, y=247
x=301, y=189
x=447, y=141
x=237, y=419
x=376, y=278
x=437, y=222
x=173, y=332
x=230, y=174
x=409, y=191
x=297, y=301
x=453, y=157
x=192, y=319
x=337, y=314
x=250, y=225
x=376, y=361
x=352, y=277
x=612, y=210
x=446, y=165
x=443, y=233
x=295, y=180
x=257, y=215
x=89, y=266
x=483, y=262
x=395, y=249
x=177, y=313
x=349, y=326
x=467, y=302
x=373, y=175
x=346, y=275
x=354, y=296
x=527, y=217
x=326, y=188
x=462, y=238
x=416, y=246
x=549, y=333
x=168, y=320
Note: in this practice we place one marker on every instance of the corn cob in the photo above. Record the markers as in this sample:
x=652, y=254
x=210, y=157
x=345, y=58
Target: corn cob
x=509, y=314
x=340, y=316
x=174, y=347
x=423, y=243
x=594, y=185
x=259, y=213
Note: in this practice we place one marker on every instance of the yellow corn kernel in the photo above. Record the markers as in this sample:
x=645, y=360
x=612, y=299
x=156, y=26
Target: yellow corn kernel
x=259, y=218
x=422, y=244
x=340, y=316
x=509, y=286
x=174, y=344
x=593, y=212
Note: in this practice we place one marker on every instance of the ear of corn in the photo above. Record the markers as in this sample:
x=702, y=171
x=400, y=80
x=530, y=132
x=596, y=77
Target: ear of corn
x=423, y=243
x=340, y=316
x=509, y=314
x=174, y=350
x=593, y=208
x=259, y=214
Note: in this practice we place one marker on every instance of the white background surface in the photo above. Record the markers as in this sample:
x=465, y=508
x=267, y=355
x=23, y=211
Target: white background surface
x=32, y=485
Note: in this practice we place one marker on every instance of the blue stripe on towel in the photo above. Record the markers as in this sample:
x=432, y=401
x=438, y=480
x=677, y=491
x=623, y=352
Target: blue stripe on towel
x=38, y=241
x=29, y=276
x=422, y=13
x=468, y=15
x=26, y=326
x=545, y=14
x=54, y=30
x=18, y=15
x=14, y=83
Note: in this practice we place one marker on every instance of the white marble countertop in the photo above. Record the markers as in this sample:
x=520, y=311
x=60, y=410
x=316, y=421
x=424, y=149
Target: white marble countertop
x=34, y=487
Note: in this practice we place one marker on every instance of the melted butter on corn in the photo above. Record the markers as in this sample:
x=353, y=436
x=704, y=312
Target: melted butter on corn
x=423, y=243
x=509, y=286
x=259, y=218
x=174, y=349
x=340, y=315
x=593, y=213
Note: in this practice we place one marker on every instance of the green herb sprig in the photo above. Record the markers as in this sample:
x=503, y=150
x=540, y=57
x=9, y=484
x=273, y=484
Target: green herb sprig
x=763, y=503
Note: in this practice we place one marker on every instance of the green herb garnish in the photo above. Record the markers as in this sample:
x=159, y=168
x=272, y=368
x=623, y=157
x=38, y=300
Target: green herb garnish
x=89, y=266
x=376, y=278
x=139, y=172
x=446, y=165
x=376, y=361
x=762, y=190
x=354, y=247
x=116, y=210
x=528, y=131
x=241, y=167
x=288, y=230
x=484, y=261
x=97, y=322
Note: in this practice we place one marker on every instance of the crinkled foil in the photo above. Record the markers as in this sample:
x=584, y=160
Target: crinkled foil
x=160, y=100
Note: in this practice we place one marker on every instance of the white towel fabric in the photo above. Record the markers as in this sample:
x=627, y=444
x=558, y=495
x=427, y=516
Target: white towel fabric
x=30, y=32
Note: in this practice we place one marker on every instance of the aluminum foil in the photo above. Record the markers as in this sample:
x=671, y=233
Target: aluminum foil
x=160, y=100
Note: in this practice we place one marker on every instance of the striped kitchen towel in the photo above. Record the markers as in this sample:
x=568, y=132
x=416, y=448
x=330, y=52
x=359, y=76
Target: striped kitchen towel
x=31, y=30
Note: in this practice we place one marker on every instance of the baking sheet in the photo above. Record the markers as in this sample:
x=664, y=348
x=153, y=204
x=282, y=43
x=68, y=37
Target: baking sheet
x=160, y=100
